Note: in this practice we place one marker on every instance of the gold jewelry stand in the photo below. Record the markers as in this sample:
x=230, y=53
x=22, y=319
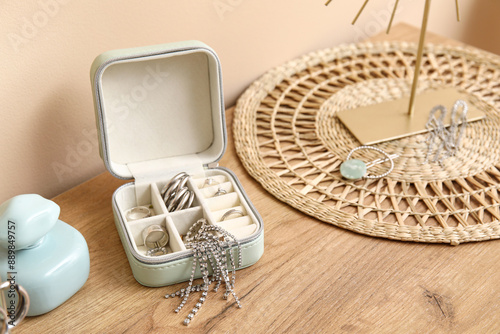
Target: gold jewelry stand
x=390, y=120
x=396, y=119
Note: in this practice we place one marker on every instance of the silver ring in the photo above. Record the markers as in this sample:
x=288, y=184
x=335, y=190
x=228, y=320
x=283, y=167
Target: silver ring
x=5, y=321
x=230, y=213
x=180, y=200
x=176, y=194
x=154, y=237
x=139, y=212
x=185, y=202
x=209, y=182
x=174, y=186
x=220, y=192
x=170, y=191
x=177, y=177
x=23, y=302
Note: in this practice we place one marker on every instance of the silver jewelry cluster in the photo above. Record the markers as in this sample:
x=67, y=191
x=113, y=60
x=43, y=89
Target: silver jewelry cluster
x=212, y=247
x=443, y=142
x=176, y=194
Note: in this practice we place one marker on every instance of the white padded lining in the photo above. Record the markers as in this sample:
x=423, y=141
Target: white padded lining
x=162, y=107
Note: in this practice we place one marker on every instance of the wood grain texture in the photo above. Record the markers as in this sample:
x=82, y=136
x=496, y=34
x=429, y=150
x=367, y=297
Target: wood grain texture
x=313, y=277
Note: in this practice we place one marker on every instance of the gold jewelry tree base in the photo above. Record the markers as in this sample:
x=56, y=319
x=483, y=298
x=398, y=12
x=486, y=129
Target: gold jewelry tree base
x=378, y=123
x=390, y=120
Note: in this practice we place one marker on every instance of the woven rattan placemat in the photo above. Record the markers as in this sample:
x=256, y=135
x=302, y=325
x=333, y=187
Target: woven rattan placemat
x=289, y=139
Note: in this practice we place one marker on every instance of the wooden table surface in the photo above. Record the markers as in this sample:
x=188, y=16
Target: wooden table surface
x=313, y=277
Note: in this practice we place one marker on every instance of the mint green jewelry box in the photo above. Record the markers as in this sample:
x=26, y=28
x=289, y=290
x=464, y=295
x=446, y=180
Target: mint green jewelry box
x=160, y=111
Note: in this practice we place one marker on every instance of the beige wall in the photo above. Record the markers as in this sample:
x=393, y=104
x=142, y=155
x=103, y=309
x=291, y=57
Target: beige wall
x=48, y=133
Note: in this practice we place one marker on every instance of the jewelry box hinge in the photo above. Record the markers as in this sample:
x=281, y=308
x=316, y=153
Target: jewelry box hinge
x=212, y=165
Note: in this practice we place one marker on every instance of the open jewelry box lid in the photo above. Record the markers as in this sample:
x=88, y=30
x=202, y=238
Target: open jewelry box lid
x=159, y=108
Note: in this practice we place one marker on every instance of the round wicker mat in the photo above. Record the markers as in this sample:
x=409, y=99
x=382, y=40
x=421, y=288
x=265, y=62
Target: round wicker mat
x=289, y=139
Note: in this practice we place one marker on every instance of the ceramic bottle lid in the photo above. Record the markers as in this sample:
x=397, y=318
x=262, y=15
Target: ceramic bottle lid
x=25, y=219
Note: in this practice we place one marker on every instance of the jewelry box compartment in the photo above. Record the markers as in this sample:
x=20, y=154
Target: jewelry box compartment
x=218, y=198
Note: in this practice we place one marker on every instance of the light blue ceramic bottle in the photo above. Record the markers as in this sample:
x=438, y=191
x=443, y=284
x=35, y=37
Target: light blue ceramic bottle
x=48, y=257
